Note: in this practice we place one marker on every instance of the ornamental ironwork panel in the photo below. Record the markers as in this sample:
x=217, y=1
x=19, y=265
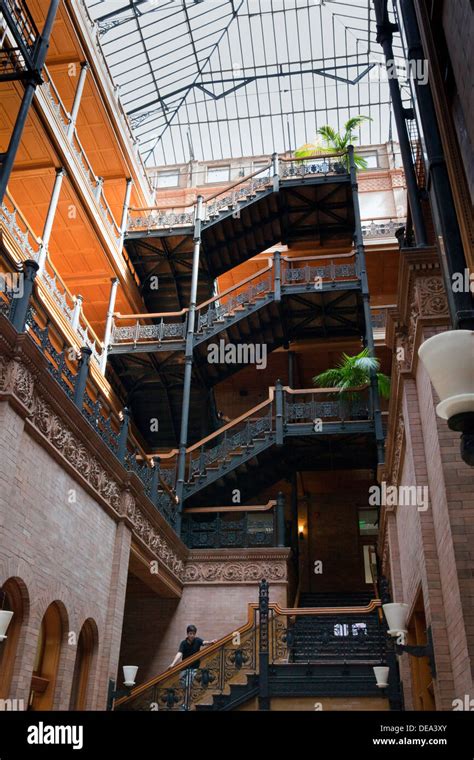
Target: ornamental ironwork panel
x=305, y=168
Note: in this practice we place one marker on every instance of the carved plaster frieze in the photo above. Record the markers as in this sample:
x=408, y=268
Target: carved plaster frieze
x=151, y=538
x=235, y=572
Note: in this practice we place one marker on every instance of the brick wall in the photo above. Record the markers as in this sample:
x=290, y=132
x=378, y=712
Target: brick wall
x=60, y=544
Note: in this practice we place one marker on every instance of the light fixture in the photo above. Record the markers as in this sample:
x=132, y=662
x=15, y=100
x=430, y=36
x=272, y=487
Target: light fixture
x=301, y=532
x=5, y=617
x=129, y=673
x=381, y=675
x=396, y=615
x=449, y=361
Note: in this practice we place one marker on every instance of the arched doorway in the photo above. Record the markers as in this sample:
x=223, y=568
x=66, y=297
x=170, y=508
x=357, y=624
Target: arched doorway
x=46, y=665
x=12, y=597
x=86, y=648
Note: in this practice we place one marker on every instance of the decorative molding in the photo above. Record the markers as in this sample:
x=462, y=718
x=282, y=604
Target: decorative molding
x=144, y=529
x=25, y=382
x=232, y=571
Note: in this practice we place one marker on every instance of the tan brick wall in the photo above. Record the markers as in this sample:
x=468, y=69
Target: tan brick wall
x=154, y=628
x=62, y=552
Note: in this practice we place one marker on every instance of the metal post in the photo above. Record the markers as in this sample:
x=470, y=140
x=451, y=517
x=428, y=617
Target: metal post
x=20, y=309
x=155, y=482
x=277, y=275
x=108, y=324
x=8, y=158
x=263, y=692
x=276, y=172
x=394, y=691
x=48, y=224
x=369, y=335
x=126, y=204
x=280, y=518
x=77, y=100
x=81, y=377
x=385, y=31
x=123, y=435
x=279, y=413
x=188, y=367
x=76, y=315
x=98, y=188
x=460, y=304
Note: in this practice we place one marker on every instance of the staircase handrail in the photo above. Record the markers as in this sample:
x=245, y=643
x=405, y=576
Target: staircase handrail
x=233, y=508
x=176, y=669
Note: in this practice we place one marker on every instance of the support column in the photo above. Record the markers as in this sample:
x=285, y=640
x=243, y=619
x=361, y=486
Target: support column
x=461, y=305
x=385, y=31
x=126, y=204
x=109, y=323
x=81, y=378
x=188, y=367
x=263, y=646
x=8, y=158
x=48, y=225
x=18, y=316
x=369, y=335
x=77, y=100
x=280, y=519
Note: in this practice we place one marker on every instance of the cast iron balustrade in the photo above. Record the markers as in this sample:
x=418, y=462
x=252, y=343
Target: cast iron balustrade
x=283, y=276
x=19, y=21
x=220, y=664
x=264, y=648
x=64, y=364
x=286, y=412
x=209, y=528
x=329, y=636
x=62, y=117
x=263, y=181
x=29, y=244
x=381, y=228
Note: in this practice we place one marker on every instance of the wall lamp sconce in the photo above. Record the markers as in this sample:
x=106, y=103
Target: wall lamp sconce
x=449, y=361
x=129, y=674
x=5, y=617
x=301, y=533
x=396, y=615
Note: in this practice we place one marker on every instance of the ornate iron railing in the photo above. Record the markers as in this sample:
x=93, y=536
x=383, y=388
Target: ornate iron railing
x=318, y=269
x=327, y=635
x=63, y=118
x=235, y=437
x=309, y=167
x=381, y=228
x=171, y=326
x=312, y=405
x=210, y=528
x=64, y=364
x=216, y=667
x=19, y=13
x=29, y=245
x=229, y=199
x=163, y=331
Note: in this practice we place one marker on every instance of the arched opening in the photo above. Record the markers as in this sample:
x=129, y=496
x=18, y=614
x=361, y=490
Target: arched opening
x=12, y=597
x=45, y=669
x=86, y=647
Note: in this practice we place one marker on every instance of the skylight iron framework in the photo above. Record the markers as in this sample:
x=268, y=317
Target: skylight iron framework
x=216, y=79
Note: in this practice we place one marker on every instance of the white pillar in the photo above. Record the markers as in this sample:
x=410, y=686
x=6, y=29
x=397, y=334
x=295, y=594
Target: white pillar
x=77, y=312
x=77, y=100
x=126, y=204
x=48, y=225
x=108, y=324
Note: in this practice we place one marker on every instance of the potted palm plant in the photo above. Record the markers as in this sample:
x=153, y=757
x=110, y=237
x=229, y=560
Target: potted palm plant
x=353, y=372
x=334, y=142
